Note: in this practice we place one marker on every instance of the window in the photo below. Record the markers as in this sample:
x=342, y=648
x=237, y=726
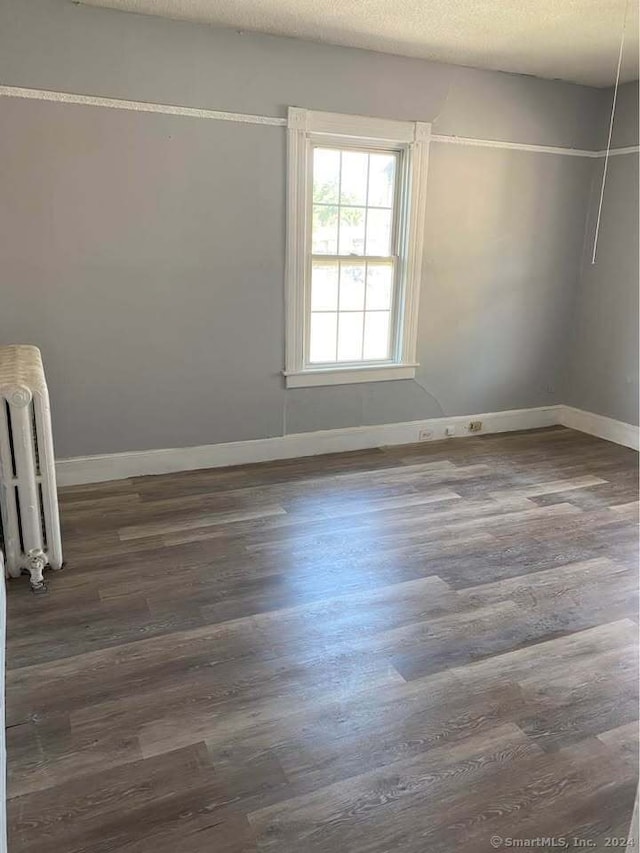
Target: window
x=356, y=198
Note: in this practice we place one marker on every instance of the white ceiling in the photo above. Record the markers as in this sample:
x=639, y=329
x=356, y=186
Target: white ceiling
x=575, y=40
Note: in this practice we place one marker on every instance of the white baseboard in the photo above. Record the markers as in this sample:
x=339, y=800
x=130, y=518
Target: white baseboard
x=617, y=431
x=118, y=466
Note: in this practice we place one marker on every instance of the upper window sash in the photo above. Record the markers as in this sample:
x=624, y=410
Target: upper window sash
x=396, y=206
x=410, y=140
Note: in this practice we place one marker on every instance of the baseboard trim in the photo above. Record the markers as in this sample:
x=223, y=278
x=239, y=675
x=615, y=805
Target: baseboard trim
x=118, y=466
x=618, y=432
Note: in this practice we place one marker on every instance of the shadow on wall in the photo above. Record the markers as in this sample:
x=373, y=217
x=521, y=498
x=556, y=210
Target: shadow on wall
x=504, y=235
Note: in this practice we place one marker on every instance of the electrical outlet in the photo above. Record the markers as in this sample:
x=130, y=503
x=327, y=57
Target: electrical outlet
x=449, y=431
x=475, y=426
x=425, y=434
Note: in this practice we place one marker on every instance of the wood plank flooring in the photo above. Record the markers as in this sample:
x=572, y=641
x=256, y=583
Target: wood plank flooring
x=411, y=649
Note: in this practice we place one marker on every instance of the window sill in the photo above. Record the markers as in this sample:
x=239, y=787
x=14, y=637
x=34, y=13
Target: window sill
x=349, y=375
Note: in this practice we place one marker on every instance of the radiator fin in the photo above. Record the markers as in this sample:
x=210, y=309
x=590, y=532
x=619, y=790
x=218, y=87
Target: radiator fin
x=34, y=438
x=19, y=515
x=43, y=521
x=12, y=454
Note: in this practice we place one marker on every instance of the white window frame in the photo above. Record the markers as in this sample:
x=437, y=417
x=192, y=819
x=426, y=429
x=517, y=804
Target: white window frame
x=306, y=127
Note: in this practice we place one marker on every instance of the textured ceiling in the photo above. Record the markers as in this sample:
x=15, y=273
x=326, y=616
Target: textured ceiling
x=575, y=40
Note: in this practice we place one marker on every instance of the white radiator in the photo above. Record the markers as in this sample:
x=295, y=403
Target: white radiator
x=28, y=495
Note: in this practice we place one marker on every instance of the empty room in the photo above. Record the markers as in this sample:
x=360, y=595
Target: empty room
x=319, y=426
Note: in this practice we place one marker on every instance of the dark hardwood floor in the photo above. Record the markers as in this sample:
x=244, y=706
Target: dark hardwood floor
x=412, y=649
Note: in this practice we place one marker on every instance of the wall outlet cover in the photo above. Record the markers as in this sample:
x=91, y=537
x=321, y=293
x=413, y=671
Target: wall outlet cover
x=475, y=426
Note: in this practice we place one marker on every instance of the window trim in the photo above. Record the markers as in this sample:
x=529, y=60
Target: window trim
x=307, y=128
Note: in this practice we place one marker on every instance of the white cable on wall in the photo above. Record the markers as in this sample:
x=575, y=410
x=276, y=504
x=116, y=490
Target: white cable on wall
x=611, y=120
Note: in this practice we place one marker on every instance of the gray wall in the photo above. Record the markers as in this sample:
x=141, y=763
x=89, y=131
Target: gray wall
x=55, y=44
x=625, y=125
x=161, y=321
x=603, y=359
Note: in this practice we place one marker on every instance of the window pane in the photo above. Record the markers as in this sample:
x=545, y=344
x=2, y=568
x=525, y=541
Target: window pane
x=351, y=287
x=376, y=335
x=353, y=179
x=325, y=230
x=324, y=287
x=379, y=286
x=322, y=343
x=350, y=336
x=351, y=231
x=352, y=301
x=326, y=175
x=382, y=178
x=379, y=232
